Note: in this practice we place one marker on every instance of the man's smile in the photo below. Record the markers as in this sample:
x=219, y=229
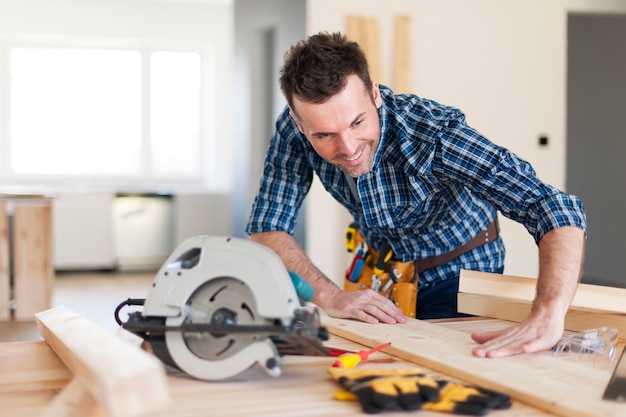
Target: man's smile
x=355, y=157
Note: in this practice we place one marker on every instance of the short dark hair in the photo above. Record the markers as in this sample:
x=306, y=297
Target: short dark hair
x=317, y=68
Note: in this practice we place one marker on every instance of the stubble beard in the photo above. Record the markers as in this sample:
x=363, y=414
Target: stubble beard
x=364, y=167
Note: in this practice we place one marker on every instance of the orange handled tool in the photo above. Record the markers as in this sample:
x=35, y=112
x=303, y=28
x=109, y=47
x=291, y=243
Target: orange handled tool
x=350, y=360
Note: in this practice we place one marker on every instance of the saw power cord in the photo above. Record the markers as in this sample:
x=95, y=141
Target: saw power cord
x=128, y=302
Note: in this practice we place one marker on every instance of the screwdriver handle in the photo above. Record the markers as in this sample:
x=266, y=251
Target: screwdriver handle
x=347, y=360
x=350, y=360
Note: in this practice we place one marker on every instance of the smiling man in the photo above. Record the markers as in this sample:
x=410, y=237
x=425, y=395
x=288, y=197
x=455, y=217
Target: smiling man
x=416, y=177
x=344, y=130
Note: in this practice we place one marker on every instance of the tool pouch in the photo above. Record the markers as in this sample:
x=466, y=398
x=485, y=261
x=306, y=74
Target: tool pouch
x=405, y=296
x=363, y=273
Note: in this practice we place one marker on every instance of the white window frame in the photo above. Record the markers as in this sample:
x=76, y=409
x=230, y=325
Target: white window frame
x=206, y=180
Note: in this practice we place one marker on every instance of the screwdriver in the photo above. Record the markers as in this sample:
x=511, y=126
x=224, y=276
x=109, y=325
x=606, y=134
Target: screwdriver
x=350, y=360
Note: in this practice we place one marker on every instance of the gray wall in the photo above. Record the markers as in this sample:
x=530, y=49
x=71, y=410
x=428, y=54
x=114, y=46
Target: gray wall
x=596, y=133
x=263, y=32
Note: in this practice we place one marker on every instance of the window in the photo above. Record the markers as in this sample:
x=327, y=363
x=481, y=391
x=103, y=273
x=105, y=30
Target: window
x=175, y=112
x=116, y=114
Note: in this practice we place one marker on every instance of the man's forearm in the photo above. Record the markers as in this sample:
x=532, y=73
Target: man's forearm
x=297, y=261
x=561, y=253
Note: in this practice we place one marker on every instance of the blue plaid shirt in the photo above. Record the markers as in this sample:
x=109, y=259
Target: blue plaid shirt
x=435, y=183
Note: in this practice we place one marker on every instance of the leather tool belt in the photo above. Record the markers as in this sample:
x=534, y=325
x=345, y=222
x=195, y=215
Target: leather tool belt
x=395, y=279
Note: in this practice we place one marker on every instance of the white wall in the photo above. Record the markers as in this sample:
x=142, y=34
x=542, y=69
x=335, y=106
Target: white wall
x=503, y=62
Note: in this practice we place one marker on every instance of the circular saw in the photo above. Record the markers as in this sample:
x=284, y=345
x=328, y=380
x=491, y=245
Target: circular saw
x=220, y=305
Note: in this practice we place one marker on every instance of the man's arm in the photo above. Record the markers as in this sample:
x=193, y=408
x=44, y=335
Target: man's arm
x=366, y=305
x=561, y=253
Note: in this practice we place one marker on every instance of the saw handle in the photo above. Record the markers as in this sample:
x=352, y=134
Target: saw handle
x=305, y=291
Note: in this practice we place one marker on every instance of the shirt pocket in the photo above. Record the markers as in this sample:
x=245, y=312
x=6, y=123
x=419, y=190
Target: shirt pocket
x=413, y=204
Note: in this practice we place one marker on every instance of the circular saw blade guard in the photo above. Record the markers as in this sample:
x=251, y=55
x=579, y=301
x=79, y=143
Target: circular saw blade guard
x=204, y=258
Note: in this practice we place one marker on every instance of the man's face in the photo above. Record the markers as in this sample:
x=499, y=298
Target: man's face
x=344, y=130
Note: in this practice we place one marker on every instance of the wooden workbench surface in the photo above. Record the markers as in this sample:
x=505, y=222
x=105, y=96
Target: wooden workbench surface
x=31, y=375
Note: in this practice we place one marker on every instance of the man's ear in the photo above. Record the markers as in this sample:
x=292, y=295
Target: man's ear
x=295, y=119
x=378, y=101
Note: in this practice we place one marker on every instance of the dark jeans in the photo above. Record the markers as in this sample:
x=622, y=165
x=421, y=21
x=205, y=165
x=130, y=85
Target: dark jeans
x=439, y=301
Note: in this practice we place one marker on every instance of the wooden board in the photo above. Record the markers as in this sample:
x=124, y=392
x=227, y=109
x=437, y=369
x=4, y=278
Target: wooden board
x=33, y=270
x=304, y=388
x=5, y=288
x=366, y=32
x=593, y=297
x=547, y=382
x=514, y=310
x=125, y=380
x=31, y=376
x=37, y=370
x=402, y=54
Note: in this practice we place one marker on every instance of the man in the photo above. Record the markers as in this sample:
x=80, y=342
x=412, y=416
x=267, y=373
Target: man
x=422, y=180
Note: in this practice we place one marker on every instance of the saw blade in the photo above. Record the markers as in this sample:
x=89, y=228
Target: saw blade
x=221, y=301
x=616, y=388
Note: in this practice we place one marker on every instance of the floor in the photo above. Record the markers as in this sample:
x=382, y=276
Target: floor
x=92, y=295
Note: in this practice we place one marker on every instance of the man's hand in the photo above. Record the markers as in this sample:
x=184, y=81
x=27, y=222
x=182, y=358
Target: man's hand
x=364, y=305
x=560, y=264
x=538, y=332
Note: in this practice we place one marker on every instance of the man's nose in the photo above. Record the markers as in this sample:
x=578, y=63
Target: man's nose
x=347, y=143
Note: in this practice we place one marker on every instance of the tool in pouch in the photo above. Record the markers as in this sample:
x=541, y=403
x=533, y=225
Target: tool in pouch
x=376, y=269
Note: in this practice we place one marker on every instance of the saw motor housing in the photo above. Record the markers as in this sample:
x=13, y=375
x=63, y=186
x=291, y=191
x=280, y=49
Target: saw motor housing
x=220, y=305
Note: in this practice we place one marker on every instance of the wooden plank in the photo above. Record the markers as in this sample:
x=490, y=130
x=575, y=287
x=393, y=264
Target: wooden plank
x=304, y=389
x=366, y=32
x=594, y=297
x=31, y=367
x=494, y=307
x=33, y=271
x=74, y=400
x=373, y=52
x=515, y=310
x=547, y=382
x=125, y=380
x=5, y=287
x=402, y=54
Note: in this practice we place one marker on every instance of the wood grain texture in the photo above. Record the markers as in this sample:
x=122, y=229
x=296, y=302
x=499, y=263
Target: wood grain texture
x=547, y=382
x=125, y=380
x=73, y=401
x=304, y=388
x=593, y=297
x=33, y=271
x=31, y=376
x=402, y=54
x=5, y=288
x=514, y=310
x=30, y=367
x=366, y=32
